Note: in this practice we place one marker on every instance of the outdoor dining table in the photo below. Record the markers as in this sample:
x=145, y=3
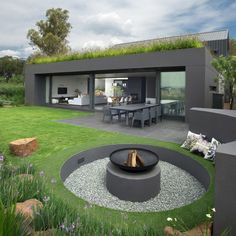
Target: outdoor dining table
x=131, y=108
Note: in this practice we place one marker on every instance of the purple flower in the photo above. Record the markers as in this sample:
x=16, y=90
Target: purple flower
x=1, y=158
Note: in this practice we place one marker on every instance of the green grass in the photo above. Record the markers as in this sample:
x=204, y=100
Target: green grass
x=180, y=43
x=58, y=141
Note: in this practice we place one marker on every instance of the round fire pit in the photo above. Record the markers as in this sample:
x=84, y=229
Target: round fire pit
x=136, y=184
x=119, y=158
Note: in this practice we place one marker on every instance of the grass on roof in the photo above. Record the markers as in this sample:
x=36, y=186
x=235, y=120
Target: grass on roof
x=180, y=43
x=59, y=141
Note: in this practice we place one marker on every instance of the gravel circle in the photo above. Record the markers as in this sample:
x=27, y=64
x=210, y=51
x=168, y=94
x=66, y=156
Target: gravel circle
x=178, y=188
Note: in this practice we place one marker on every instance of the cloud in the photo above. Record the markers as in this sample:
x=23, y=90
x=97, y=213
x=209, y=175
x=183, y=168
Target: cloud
x=102, y=23
x=100, y=44
x=9, y=52
x=108, y=23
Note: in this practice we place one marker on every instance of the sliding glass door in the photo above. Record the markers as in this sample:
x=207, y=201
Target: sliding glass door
x=173, y=94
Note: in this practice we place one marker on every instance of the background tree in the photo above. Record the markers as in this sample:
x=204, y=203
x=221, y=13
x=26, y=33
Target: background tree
x=232, y=47
x=10, y=67
x=50, y=38
x=226, y=66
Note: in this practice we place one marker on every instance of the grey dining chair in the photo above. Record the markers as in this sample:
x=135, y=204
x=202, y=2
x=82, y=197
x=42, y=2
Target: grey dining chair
x=155, y=114
x=141, y=116
x=109, y=114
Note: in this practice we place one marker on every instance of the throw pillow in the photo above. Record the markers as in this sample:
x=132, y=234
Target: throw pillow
x=191, y=140
x=201, y=146
x=210, y=155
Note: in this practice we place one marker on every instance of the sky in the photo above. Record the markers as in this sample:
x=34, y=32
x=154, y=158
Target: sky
x=106, y=22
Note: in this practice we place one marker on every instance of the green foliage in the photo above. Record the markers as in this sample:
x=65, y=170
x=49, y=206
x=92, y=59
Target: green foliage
x=11, y=93
x=226, y=66
x=50, y=38
x=154, y=47
x=10, y=223
x=232, y=47
x=10, y=67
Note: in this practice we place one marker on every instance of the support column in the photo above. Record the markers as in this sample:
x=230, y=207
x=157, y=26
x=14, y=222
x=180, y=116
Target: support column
x=91, y=91
x=50, y=89
x=158, y=87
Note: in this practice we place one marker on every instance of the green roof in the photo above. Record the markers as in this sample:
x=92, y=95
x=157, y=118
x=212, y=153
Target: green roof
x=180, y=43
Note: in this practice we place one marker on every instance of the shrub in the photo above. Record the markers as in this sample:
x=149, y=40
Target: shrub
x=12, y=93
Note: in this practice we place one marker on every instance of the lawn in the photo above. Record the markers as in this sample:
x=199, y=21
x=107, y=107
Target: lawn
x=58, y=141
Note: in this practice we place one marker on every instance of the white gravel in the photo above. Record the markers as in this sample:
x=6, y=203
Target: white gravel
x=178, y=188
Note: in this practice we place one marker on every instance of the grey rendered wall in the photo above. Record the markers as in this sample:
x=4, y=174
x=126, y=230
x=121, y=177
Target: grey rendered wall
x=225, y=190
x=194, y=91
x=221, y=47
x=210, y=75
x=217, y=123
x=220, y=124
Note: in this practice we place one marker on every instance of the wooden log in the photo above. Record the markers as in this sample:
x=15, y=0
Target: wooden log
x=133, y=161
x=139, y=160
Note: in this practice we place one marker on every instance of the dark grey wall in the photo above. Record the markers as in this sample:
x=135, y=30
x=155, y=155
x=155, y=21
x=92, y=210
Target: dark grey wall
x=220, y=124
x=151, y=87
x=225, y=190
x=194, y=91
x=135, y=86
x=220, y=47
x=193, y=60
x=40, y=90
x=217, y=123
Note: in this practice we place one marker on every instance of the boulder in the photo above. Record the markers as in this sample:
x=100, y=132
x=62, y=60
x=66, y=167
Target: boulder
x=27, y=207
x=23, y=147
x=204, y=229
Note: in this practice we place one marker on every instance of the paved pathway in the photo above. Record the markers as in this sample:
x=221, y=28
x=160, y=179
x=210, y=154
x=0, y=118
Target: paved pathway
x=166, y=130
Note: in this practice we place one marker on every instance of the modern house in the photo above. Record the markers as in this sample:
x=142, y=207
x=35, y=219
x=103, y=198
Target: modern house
x=179, y=79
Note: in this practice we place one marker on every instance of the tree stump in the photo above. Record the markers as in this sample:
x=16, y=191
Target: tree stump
x=23, y=147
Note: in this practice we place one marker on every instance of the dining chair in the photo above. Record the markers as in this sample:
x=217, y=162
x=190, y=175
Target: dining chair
x=141, y=116
x=109, y=114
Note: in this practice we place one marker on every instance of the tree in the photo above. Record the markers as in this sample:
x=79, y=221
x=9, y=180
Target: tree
x=226, y=66
x=10, y=66
x=232, y=47
x=50, y=38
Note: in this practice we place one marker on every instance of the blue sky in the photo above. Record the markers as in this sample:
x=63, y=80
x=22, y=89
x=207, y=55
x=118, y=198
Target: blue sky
x=103, y=23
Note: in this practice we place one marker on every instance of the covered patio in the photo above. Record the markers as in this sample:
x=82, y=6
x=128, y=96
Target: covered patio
x=181, y=79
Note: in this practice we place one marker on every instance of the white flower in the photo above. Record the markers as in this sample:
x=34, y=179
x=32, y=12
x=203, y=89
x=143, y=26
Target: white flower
x=213, y=209
x=169, y=219
x=175, y=219
x=208, y=216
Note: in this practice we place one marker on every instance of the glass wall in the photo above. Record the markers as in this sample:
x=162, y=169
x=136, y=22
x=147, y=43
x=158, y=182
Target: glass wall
x=173, y=93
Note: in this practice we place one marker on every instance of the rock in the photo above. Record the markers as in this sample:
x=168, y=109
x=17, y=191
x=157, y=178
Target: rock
x=23, y=147
x=204, y=229
x=169, y=231
x=26, y=208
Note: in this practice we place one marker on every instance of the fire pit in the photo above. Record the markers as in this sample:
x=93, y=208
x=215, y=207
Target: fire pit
x=133, y=174
x=134, y=160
